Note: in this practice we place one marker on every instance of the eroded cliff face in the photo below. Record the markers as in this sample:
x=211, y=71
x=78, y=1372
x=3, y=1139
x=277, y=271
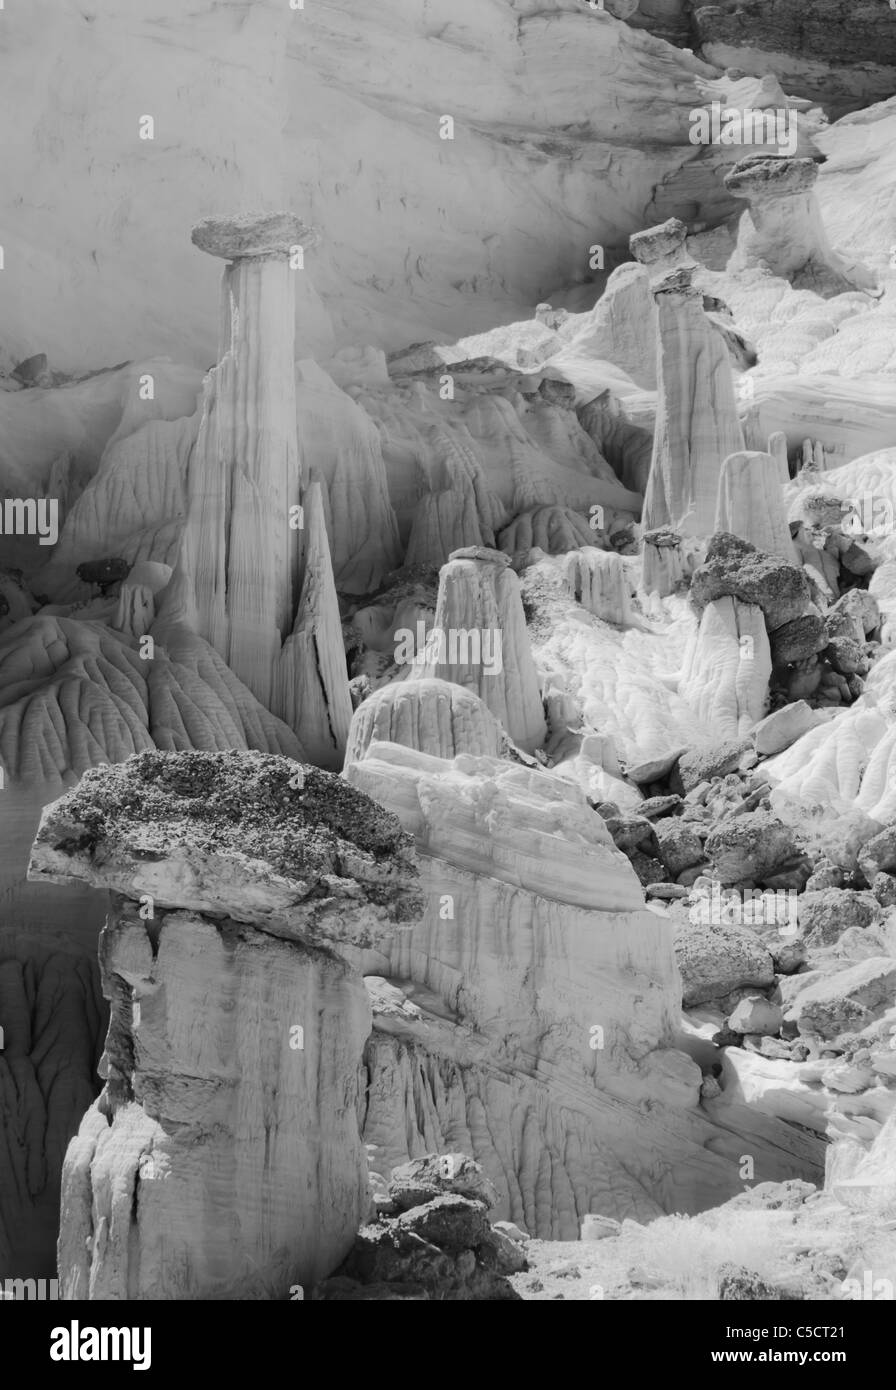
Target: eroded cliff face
x=423, y=234
x=223, y=1158
x=839, y=52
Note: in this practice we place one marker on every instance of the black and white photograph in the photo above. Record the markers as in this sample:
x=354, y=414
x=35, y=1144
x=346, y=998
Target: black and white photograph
x=448, y=669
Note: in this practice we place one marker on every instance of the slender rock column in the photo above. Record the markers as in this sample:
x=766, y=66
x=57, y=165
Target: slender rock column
x=751, y=505
x=239, y=549
x=479, y=640
x=664, y=570
x=777, y=447
x=696, y=419
x=311, y=691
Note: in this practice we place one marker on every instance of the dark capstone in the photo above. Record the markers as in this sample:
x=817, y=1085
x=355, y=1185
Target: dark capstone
x=735, y=1282
x=104, y=573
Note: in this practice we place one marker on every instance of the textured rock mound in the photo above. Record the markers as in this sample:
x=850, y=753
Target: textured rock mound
x=223, y=1158
x=74, y=694
x=555, y=530
x=430, y=715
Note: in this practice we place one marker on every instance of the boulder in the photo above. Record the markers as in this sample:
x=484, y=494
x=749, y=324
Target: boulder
x=680, y=847
x=798, y=640
x=451, y=1222
x=847, y=656
x=847, y=1001
x=824, y=916
x=714, y=959
x=884, y=889
x=861, y=607
x=702, y=764
x=755, y=1014
x=435, y=1175
x=599, y=1227
x=878, y=855
x=780, y=729
x=750, y=846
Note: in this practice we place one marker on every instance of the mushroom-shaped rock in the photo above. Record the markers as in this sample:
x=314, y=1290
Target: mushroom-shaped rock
x=727, y=668
x=696, y=422
x=479, y=639
x=434, y=716
x=237, y=1026
x=750, y=503
x=664, y=569
x=783, y=230
x=733, y=567
x=241, y=549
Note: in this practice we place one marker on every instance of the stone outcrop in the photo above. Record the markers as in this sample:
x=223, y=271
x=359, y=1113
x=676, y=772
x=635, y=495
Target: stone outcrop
x=479, y=640
x=696, y=422
x=223, y=1158
x=782, y=229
